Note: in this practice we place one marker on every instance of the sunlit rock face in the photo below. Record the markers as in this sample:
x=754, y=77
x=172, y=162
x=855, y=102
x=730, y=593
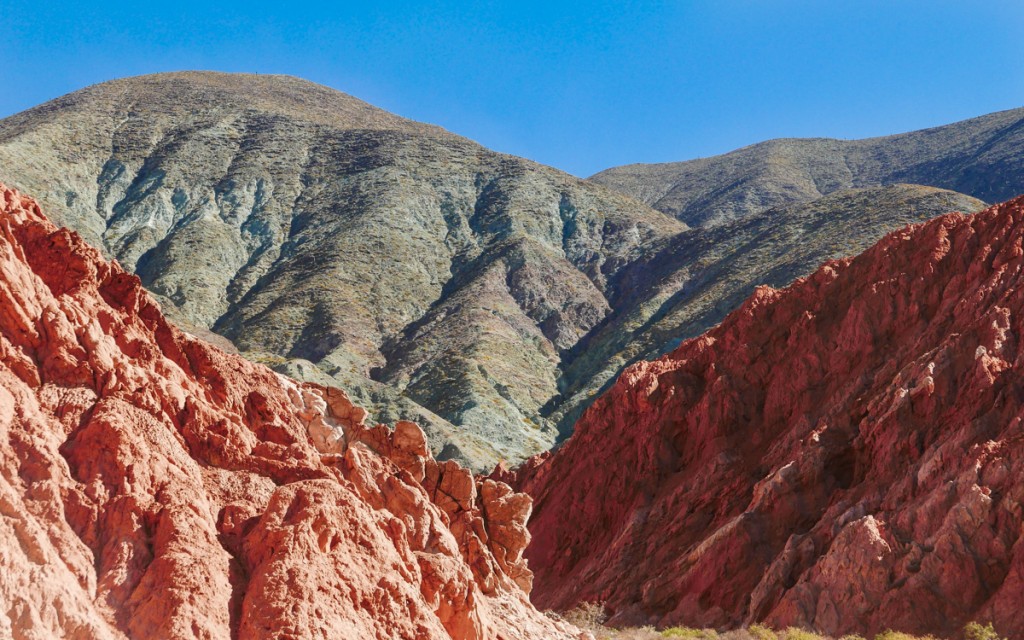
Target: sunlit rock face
x=154, y=486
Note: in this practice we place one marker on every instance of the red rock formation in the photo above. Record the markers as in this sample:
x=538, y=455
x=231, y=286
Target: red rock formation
x=152, y=486
x=846, y=454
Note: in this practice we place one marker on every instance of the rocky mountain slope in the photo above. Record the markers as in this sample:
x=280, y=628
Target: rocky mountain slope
x=438, y=279
x=154, y=486
x=845, y=454
x=690, y=284
x=485, y=296
x=981, y=157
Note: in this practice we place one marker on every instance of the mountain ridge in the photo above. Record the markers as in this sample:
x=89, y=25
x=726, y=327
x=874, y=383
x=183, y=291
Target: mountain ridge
x=485, y=296
x=704, y=273
x=282, y=93
x=308, y=238
x=972, y=156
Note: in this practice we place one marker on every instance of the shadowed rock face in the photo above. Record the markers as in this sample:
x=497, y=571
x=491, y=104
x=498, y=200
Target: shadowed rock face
x=981, y=157
x=845, y=454
x=440, y=280
x=155, y=486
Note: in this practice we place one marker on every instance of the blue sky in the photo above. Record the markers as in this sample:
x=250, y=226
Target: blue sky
x=580, y=86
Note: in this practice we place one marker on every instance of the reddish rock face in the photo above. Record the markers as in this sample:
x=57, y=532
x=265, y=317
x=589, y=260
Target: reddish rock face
x=846, y=454
x=154, y=486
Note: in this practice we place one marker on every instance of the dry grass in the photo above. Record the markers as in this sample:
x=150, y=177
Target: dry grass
x=592, y=617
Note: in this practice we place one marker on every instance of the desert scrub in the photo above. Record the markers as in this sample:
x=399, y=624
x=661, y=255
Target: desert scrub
x=687, y=632
x=899, y=635
x=977, y=631
x=587, y=615
x=793, y=633
x=633, y=633
x=761, y=632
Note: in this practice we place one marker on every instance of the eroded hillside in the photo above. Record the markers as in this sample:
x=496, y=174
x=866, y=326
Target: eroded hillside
x=844, y=454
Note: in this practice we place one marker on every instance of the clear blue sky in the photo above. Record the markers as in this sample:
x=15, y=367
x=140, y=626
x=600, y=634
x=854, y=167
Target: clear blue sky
x=581, y=86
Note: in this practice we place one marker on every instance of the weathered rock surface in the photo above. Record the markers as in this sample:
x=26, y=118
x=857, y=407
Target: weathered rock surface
x=846, y=454
x=301, y=222
x=153, y=486
x=982, y=157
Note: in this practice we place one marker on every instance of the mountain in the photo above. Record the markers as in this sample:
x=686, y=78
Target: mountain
x=690, y=284
x=844, y=454
x=154, y=486
x=484, y=296
x=981, y=157
x=435, y=279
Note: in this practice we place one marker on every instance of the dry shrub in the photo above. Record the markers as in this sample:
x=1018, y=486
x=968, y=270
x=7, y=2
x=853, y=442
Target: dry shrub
x=761, y=632
x=743, y=634
x=687, y=633
x=977, y=631
x=794, y=633
x=899, y=635
x=587, y=615
x=635, y=633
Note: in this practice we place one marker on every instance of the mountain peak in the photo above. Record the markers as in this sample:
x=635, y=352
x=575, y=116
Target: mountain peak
x=199, y=93
x=302, y=223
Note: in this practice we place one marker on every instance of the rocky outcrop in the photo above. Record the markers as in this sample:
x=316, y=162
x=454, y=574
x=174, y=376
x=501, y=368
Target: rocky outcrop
x=981, y=157
x=846, y=454
x=152, y=485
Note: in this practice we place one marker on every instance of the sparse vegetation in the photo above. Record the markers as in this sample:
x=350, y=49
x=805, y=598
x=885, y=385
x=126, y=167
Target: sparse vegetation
x=761, y=632
x=977, y=631
x=592, y=617
x=899, y=635
x=793, y=633
x=687, y=632
x=587, y=615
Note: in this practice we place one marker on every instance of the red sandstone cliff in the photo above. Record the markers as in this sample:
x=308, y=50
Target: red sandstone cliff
x=846, y=454
x=152, y=486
